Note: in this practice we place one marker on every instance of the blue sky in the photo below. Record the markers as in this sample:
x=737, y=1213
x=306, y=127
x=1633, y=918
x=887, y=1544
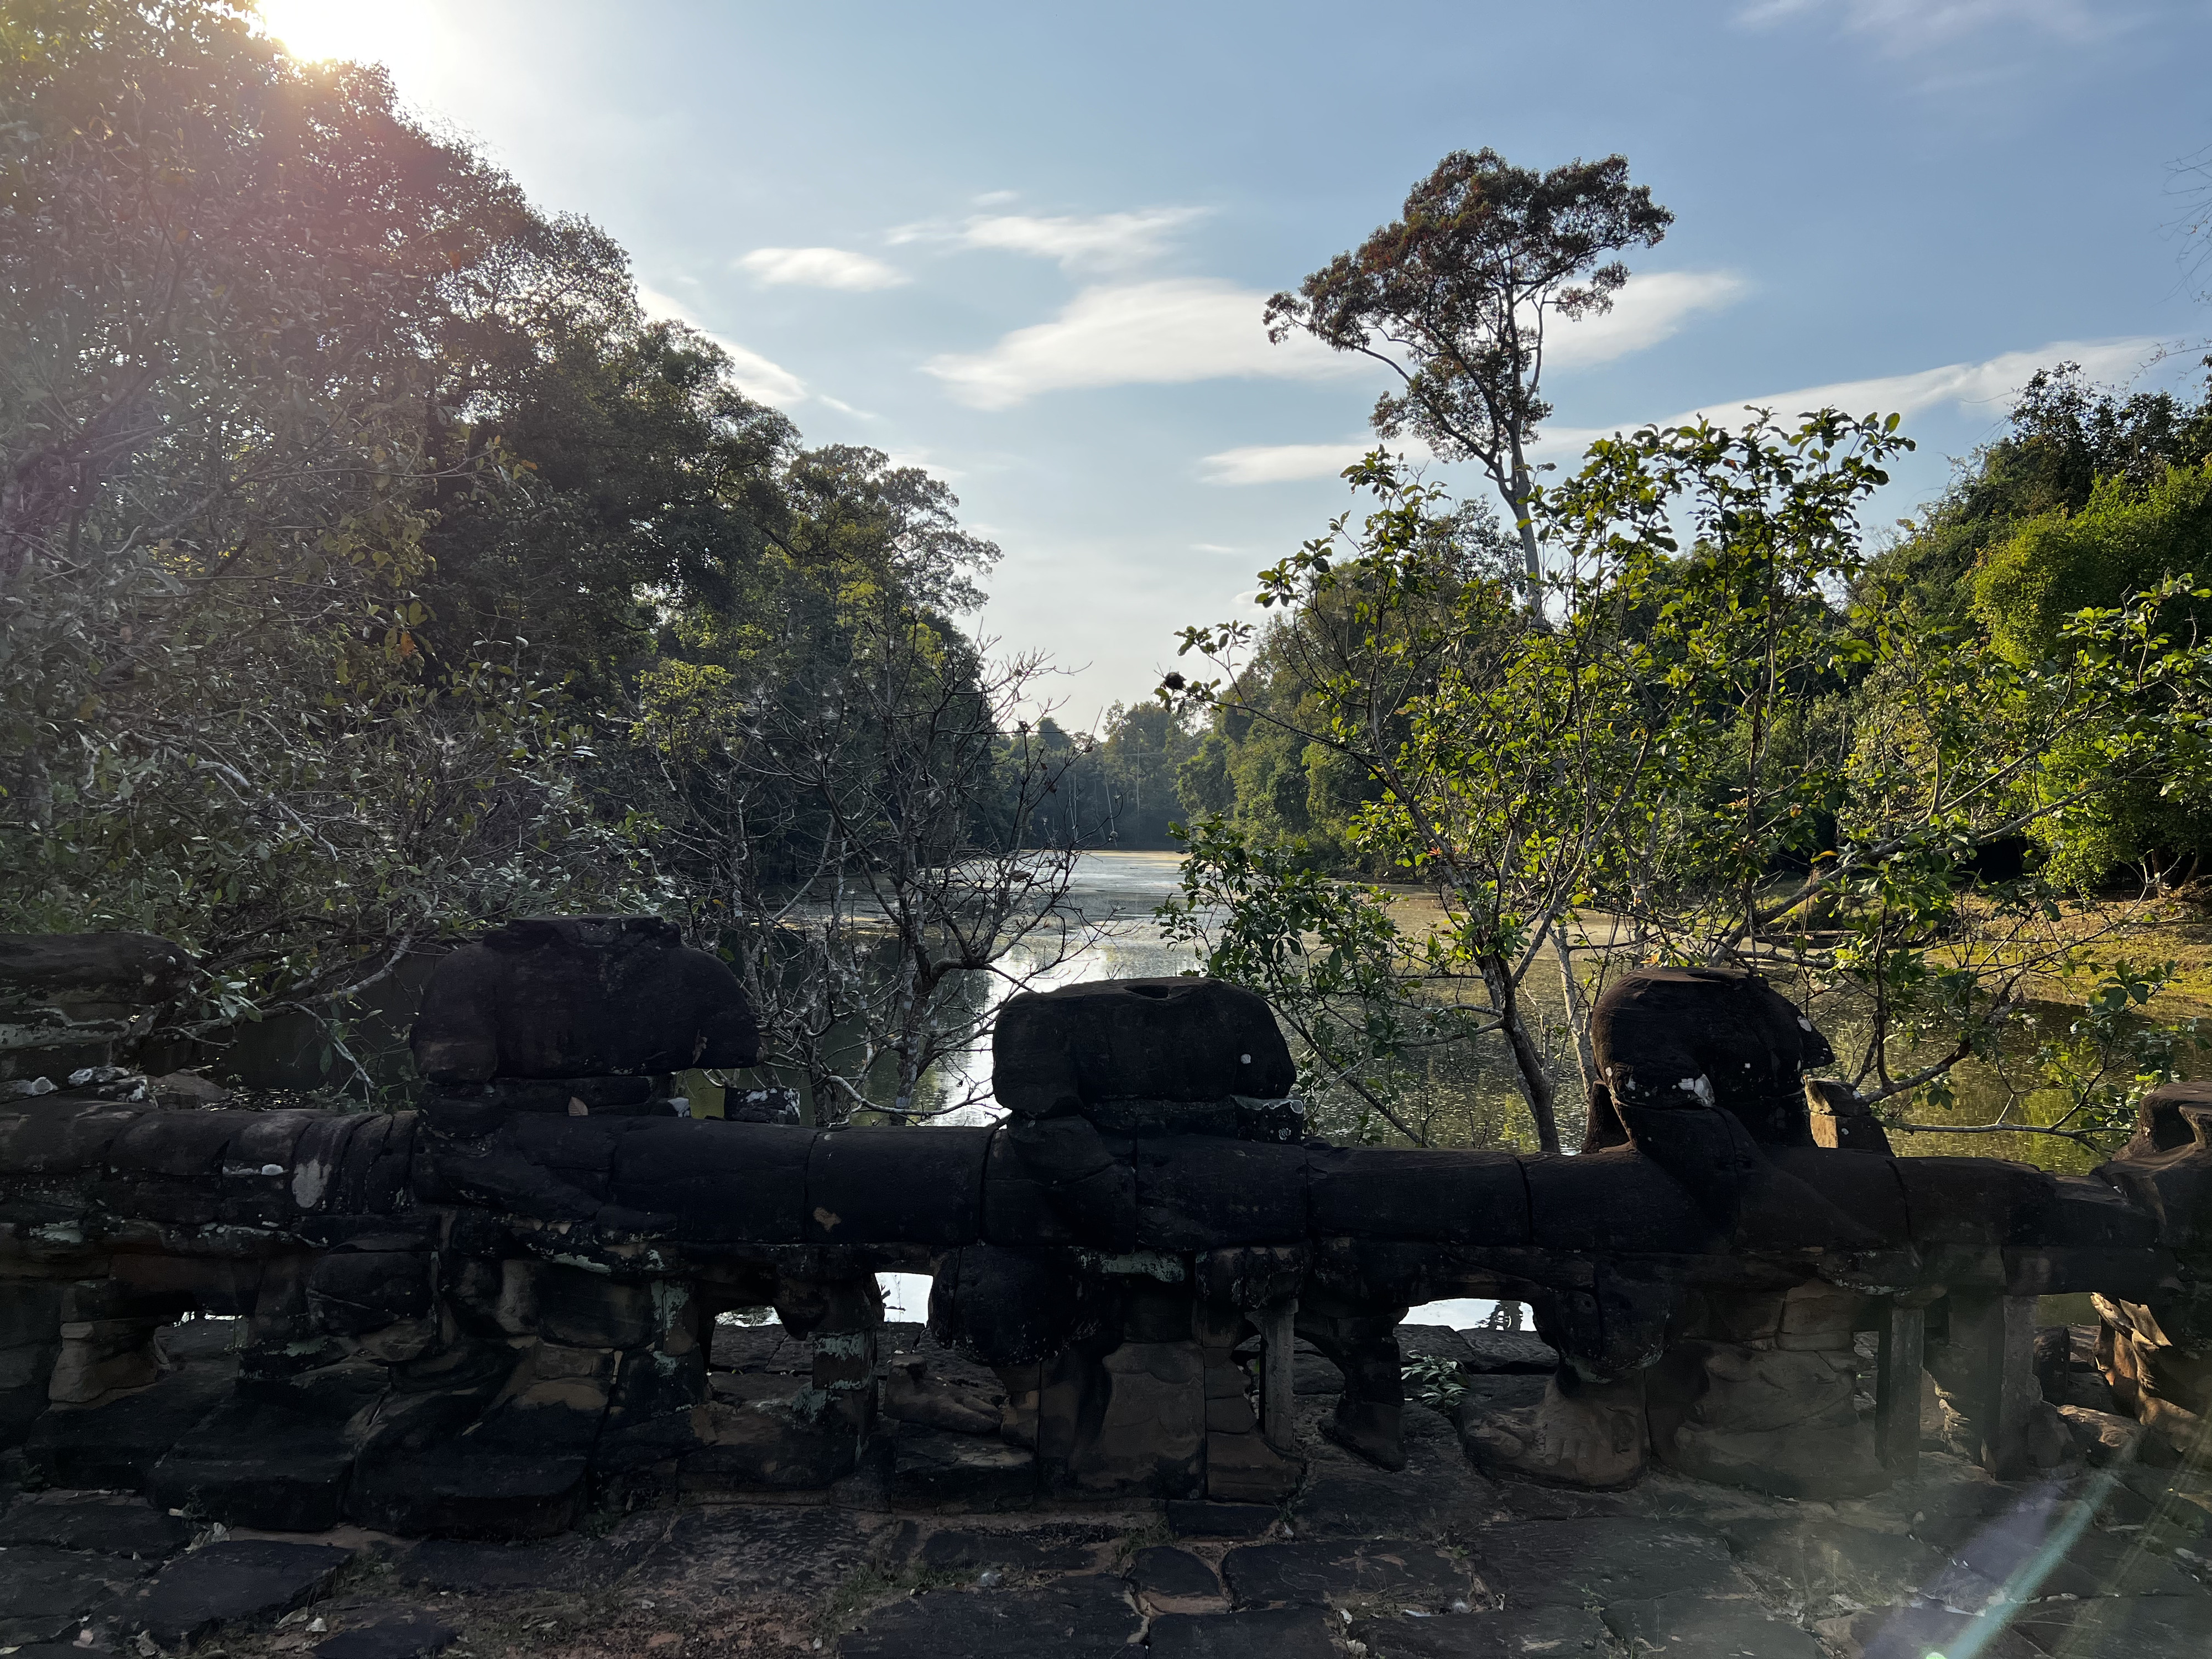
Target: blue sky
x=1026, y=247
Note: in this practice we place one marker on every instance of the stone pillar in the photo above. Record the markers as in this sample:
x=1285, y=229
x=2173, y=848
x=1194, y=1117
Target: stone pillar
x=843, y=1317
x=1242, y=1465
x=1898, y=1368
x=1361, y=1341
x=1986, y=1378
x=1278, y=1342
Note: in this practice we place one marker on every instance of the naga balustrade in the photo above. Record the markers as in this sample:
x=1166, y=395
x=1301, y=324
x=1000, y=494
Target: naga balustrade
x=479, y=1316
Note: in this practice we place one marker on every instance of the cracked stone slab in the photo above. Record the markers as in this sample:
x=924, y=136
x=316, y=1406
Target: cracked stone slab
x=1393, y=1570
x=1700, y=1627
x=1273, y=1633
x=1915, y=1632
x=2094, y=1564
x=1438, y=1493
x=110, y=1524
x=1602, y=1560
x=739, y=1551
x=1085, y=1618
x=1538, y=1633
x=45, y=1592
x=1058, y=1546
x=1197, y=1517
x=1165, y=1571
x=1825, y=1565
x=389, y=1631
x=230, y=1583
x=2119, y=1627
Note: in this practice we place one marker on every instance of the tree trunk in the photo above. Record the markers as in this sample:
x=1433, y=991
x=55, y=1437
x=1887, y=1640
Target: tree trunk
x=1524, y=524
x=1536, y=1082
x=1578, y=1013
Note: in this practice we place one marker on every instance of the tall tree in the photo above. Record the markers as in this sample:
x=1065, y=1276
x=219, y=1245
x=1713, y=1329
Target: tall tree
x=1455, y=297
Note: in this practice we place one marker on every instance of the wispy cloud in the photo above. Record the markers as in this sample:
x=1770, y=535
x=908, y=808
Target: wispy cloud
x=1264, y=464
x=756, y=376
x=1162, y=333
x=1648, y=310
x=1987, y=386
x=1904, y=29
x=1094, y=241
x=820, y=267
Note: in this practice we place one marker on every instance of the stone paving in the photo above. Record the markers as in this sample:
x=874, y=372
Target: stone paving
x=1437, y=1562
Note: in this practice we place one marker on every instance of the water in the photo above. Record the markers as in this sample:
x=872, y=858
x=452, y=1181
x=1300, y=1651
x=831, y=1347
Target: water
x=1115, y=892
x=1118, y=891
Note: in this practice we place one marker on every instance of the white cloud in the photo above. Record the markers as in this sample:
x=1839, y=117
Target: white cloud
x=1903, y=27
x=1645, y=312
x=1987, y=385
x=756, y=376
x=1089, y=241
x=1162, y=333
x=1259, y=464
x=821, y=267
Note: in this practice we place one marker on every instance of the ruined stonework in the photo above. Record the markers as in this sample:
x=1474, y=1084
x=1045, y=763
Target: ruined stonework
x=477, y=1318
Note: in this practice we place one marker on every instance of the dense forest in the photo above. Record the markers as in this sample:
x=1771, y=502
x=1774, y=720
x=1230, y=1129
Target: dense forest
x=2089, y=495
x=372, y=567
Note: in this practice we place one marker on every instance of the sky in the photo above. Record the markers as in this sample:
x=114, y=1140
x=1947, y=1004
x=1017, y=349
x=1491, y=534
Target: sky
x=1026, y=247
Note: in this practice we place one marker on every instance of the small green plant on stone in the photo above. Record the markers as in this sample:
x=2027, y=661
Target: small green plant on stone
x=1435, y=1381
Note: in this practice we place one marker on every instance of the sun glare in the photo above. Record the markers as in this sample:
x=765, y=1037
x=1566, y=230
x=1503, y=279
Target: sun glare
x=332, y=28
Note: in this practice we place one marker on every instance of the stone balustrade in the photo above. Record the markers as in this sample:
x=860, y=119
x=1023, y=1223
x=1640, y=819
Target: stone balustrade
x=479, y=1316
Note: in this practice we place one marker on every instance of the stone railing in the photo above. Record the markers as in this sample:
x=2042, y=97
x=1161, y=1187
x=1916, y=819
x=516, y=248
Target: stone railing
x=479, y=1316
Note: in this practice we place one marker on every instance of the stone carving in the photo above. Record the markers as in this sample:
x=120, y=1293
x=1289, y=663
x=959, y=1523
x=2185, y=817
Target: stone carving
x=472, y=1318
x=2155, y=1349
x=579, y=996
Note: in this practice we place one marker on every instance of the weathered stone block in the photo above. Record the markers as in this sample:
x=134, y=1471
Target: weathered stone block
x=1157, y=1039
x=932, y=1468
x=576, y=996
x=251, y=1466
x=461, y=1489
x=717, y=1183
x=889, y=1185
x=590, y=1310
x=1150, y=1434
x=1194, y=1193
x=1444, y=1197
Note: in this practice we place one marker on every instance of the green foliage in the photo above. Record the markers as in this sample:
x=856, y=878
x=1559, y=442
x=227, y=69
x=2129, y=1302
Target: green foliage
x=1436, y=1381
x=2063, y=436
x=2124, y=540
x=1370, y=1010
x=1698, y=756
x=2112, y=1055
